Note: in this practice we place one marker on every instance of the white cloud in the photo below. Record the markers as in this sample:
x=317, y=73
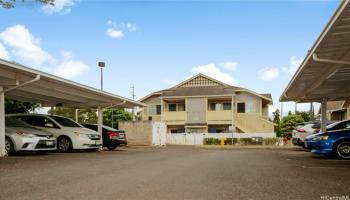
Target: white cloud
x=69, y=67
x=3, y=52
x=294, y=64
x=117, y=31
x=215, y=72
x=269, y=74
x=61, y=6
x=24, y=46
x=230, y=66
x=170, y=82
x=131, y=27
x=114, y=33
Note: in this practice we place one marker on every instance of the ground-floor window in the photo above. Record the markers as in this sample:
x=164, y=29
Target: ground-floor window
x=218, y=128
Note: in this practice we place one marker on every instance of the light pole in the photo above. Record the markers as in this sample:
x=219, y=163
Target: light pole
x=101, y=65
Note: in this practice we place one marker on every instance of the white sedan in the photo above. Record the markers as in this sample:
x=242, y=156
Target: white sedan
x=23, y=137
x=70, y=135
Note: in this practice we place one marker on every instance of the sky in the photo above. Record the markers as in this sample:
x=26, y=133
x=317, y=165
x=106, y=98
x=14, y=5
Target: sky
x=152, y=45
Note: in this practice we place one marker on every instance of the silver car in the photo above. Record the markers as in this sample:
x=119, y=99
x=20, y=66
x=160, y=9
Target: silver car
x=23, y=137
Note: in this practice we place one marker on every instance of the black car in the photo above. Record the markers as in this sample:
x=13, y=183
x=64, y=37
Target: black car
x=112, y=138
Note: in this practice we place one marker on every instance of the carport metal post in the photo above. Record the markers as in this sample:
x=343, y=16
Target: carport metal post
x=323, y=115
x=2, y=122
x=100, y=121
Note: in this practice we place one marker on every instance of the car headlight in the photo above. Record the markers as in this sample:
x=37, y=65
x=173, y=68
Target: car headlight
x=323, y=137
x=81, y=135
x=25, y=134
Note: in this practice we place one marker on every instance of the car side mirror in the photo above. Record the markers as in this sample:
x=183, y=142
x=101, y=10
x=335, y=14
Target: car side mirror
x=49, y=125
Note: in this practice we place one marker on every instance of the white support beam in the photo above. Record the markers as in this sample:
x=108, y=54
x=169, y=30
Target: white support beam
x=100, y=121
x=2, y=122
x=324, y=115
x=77, y=115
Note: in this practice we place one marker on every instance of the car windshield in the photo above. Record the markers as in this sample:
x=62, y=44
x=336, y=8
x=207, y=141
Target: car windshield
x=13, y=122
x=333, y=125
x=65, y=122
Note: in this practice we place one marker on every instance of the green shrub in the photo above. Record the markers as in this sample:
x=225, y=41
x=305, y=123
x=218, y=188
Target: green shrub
x=245, y=140
x=211, y=141
x=229, y=141
x=270, y=141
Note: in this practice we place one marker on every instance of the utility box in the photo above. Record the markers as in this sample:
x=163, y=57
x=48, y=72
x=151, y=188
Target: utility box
x=144, y=133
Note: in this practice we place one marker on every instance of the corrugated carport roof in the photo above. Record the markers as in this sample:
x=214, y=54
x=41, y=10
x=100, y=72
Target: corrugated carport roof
x=325, y=72
x=50, y=90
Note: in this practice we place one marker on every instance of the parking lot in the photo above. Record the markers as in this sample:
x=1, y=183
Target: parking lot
x=174, y=173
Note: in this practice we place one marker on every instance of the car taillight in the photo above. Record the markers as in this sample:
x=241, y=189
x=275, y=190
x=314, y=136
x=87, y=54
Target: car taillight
x=112, y=135
x=301, y=130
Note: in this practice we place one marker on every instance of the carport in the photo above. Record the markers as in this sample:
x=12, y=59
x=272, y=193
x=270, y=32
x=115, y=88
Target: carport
x=324, y=75
x=25, y=84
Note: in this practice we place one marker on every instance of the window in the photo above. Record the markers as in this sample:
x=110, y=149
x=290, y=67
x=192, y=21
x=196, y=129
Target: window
x=218, y=106
x=249, y=107
x=37, y=121
x=159, y=110
x=227, y=106
x=155, y=109
x=181, y=107
x=241, y=107
x=65, y=121
x=172, y=107
x=212, y=106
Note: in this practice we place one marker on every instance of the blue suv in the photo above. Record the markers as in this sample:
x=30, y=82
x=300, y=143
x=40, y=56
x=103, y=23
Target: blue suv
x=330, y=143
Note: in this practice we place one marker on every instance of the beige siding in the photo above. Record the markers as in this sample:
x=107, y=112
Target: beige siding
x=247, y=97
x=196, y=110
x=153, y=100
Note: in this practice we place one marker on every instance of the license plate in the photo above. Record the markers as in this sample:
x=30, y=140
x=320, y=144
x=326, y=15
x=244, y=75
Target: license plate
x=49, y=143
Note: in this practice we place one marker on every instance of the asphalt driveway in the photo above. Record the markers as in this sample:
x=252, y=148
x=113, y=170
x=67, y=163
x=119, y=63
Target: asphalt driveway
x=174, y=173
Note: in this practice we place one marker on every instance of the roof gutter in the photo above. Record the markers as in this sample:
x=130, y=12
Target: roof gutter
x=329, y=61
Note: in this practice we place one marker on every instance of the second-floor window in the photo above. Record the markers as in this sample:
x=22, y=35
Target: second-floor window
x=155, y=109
x=246, y=107
x=172, y=107
x=219, y=106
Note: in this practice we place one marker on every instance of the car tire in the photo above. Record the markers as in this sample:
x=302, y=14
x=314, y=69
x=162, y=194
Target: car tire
x=64, y=144
x=9, y=147
x=112, y=147
x=342, y=149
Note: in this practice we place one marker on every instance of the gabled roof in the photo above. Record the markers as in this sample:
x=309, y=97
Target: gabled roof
x=210, y=86
x=213, y=81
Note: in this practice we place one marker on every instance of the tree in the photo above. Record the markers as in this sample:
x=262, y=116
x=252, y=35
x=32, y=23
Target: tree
x=11, y=3
x=86, y=115
x=289, y=123
x=14, y=106
x=277, y=120
x=118, y=115
x=305, y=115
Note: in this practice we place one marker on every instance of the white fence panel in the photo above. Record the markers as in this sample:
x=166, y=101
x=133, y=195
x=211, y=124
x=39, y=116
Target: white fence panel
x=197, y=138
x=159, y=136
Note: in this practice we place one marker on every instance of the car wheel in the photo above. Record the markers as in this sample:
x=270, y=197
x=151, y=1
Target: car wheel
x=64, y=144
x=112, y=147
x=9, y=148
x=343, y=150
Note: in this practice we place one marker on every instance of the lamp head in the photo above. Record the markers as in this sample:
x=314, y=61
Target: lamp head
x=101, y=64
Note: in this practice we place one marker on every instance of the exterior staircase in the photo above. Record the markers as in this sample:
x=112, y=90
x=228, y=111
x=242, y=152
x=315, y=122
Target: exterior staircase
x=253, y=123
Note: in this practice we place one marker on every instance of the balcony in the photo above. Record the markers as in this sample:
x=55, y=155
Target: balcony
x=175, y=116
x=220, y=115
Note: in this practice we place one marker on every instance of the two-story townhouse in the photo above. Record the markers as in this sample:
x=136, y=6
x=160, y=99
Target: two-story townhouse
x=202, y=104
